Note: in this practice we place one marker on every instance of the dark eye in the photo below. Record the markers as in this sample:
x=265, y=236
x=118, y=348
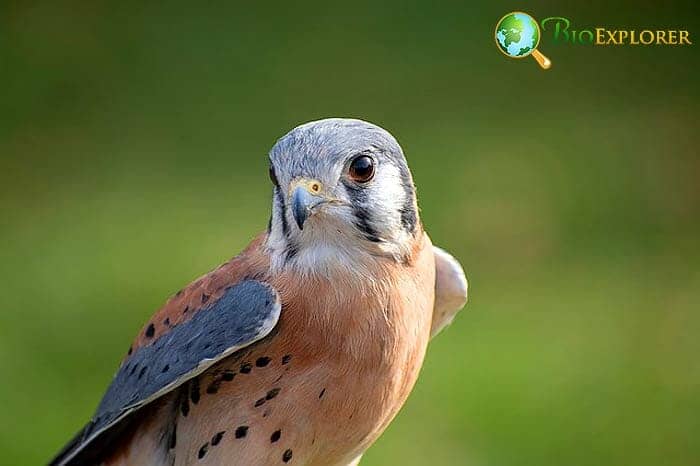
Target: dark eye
x=273, y=177
x=361, y=169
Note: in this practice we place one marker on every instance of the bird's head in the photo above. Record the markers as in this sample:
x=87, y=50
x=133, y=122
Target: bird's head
x=342, y=195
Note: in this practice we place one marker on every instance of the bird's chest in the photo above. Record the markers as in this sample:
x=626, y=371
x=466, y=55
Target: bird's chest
x=356, y=370
x=364, y=392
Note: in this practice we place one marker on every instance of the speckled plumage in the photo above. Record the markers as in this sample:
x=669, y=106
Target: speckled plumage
x=322, y=385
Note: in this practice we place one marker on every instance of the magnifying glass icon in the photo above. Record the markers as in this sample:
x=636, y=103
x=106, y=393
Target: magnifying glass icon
x=518, y=35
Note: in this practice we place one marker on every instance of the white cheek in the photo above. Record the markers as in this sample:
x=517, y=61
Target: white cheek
x=388, y=197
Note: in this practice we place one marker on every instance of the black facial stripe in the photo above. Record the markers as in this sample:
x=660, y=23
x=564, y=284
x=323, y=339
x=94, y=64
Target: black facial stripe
x=363, y=216
x=279, y=197
x=409, y=217
x=291, y=248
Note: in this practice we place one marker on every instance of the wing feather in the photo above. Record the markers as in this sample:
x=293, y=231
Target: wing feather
x=450, y=290
x=243, y=314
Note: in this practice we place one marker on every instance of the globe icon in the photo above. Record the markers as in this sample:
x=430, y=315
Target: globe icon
x=518, y=35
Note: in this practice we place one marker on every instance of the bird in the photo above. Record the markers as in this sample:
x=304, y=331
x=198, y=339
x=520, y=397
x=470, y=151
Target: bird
x=302, y=348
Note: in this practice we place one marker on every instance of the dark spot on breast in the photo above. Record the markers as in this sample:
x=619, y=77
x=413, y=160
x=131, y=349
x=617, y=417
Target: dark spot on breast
x=143, y=371
x=131, y=350
x=246, y=368
x=263, y=361
x=185, y=406
x=166, y=368
x=275, y=436
x=217, y=438
x=166, y=322
x=323, y=392
x=186, y=309
x=241, y=431
x=205, y=298
x=287, y=455
x=286, y=358
x=228, y=375
x=194, y=391
x=213, y=387
x=150, y=331
x=203, y=451
x=260, y=402
x=272, y=393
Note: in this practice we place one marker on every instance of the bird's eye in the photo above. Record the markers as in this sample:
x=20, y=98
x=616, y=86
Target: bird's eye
x=361, y=169
x=273, y=177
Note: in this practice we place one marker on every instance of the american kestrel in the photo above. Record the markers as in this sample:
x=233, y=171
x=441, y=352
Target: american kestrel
x=302, y=348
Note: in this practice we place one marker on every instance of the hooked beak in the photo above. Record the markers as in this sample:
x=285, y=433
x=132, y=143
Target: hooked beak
x=306, y=195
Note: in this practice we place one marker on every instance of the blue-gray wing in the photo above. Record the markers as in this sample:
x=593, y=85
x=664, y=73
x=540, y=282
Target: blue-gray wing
x=245, y=313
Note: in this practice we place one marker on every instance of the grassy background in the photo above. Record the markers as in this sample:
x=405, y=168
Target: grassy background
x=133, y=145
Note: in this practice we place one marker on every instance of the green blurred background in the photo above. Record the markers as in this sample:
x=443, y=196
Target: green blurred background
x=133, y=144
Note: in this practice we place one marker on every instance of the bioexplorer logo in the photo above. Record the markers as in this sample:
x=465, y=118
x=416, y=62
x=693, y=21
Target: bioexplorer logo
x=518, y=35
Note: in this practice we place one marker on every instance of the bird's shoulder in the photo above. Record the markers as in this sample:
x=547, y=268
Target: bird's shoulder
x=250, y=264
